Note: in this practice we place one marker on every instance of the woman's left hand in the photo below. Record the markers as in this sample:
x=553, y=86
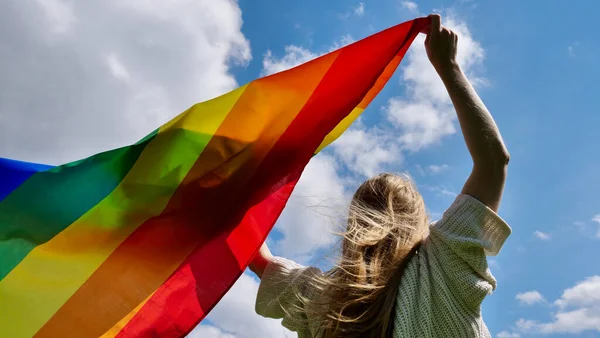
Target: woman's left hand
x=261, y=260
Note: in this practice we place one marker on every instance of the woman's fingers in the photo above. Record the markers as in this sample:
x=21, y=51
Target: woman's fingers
x=436, y=23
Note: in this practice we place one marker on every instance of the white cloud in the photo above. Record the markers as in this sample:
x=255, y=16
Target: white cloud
x=117, y=68
x=365, y=151
x=505, y=334
x=493, y=264
x=436, y=169
x=571, y=49
x=447, y=192
x=297, y=55
x=342, y=42
x=590, y=229
x=578, y=311
x=410, y=6
x=542, y=235
x=235, y=313
x=425, y=114
x=57, y=14
x=530, y=297
x=433, y=169
x=83, y=77
x=422, y=123
x=360, y=9
x=585, y=293
x=526, y=325
x=313, y=211
x=207, y=331
x=439, y=190
x=596, y=219
x=294, y=56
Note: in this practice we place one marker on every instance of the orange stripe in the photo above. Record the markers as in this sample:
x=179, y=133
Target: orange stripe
x=114, y=331
x=371, y=94
x=147, y=258
x=381, y=81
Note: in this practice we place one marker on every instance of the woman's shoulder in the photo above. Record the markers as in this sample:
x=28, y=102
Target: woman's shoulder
x=467, y=219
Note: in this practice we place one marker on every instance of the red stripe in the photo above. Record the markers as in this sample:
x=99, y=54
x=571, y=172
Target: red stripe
x=190, y=292
x=219, y=260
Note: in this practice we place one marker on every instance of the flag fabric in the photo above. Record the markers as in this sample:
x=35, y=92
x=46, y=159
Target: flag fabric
x=144, y=240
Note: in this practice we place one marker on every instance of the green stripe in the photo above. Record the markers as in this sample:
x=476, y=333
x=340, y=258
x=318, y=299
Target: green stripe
x=29, y=217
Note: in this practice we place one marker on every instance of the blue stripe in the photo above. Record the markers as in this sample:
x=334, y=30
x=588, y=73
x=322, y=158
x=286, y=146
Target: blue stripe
x=13, y=173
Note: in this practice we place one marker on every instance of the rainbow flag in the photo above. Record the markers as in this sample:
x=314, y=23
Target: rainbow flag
x=144, y=240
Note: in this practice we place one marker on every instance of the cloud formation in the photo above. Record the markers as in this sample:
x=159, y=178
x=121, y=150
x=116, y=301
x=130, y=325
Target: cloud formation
x=297, y=55
x=530, y=297
x=544, y=236
x=314, y=210
x=505, y=334
x=208, y=331
x=424, y=115
x=578, y=310
x=83, y=77
x=235, y=314
x=596, y=219
x=294, y=56
x=359, y=10
x=410, y=6
x=366, y=151
x=433, y=169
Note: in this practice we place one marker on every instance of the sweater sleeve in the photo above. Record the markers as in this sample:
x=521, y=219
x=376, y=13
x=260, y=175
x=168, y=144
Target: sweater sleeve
x=467, y=233
x=282, y=284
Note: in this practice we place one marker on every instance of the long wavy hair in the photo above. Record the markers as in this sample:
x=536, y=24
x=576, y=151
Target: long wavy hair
x=387, y=221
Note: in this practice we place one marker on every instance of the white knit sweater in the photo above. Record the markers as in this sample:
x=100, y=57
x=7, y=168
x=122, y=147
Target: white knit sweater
x=442, y=287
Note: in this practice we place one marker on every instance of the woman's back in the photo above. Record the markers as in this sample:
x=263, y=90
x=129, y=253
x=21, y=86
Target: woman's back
x=444, y=284
x=441, y=290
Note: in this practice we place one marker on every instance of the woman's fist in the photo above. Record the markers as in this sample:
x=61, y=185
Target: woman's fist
x=441, y=44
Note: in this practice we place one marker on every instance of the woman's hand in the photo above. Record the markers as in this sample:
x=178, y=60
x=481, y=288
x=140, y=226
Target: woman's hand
x=262, y=259
x=441, y=45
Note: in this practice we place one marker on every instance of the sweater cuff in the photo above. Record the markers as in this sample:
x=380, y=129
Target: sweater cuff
x=276, y=279
x=469, y=217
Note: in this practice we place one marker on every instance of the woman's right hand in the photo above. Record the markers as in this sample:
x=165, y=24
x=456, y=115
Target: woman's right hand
x=441, y=45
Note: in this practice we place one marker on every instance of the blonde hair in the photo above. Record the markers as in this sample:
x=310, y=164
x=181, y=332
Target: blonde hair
x=387, y=221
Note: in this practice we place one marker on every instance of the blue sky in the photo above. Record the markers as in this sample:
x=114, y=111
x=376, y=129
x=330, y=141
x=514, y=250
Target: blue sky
x=82, y=77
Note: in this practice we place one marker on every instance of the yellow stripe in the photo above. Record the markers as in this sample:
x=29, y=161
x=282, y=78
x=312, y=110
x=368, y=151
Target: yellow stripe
x=114, y=331
x=340, y=128
x=37, y=287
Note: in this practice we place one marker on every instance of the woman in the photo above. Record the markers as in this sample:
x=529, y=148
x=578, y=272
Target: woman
x=399, y=276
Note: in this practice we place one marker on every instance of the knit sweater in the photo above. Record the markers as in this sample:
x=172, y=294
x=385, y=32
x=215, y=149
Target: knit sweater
x=441, y=290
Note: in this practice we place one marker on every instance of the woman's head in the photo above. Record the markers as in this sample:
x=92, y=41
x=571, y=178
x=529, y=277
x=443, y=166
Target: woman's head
x=386, y=223
x=386, y=218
